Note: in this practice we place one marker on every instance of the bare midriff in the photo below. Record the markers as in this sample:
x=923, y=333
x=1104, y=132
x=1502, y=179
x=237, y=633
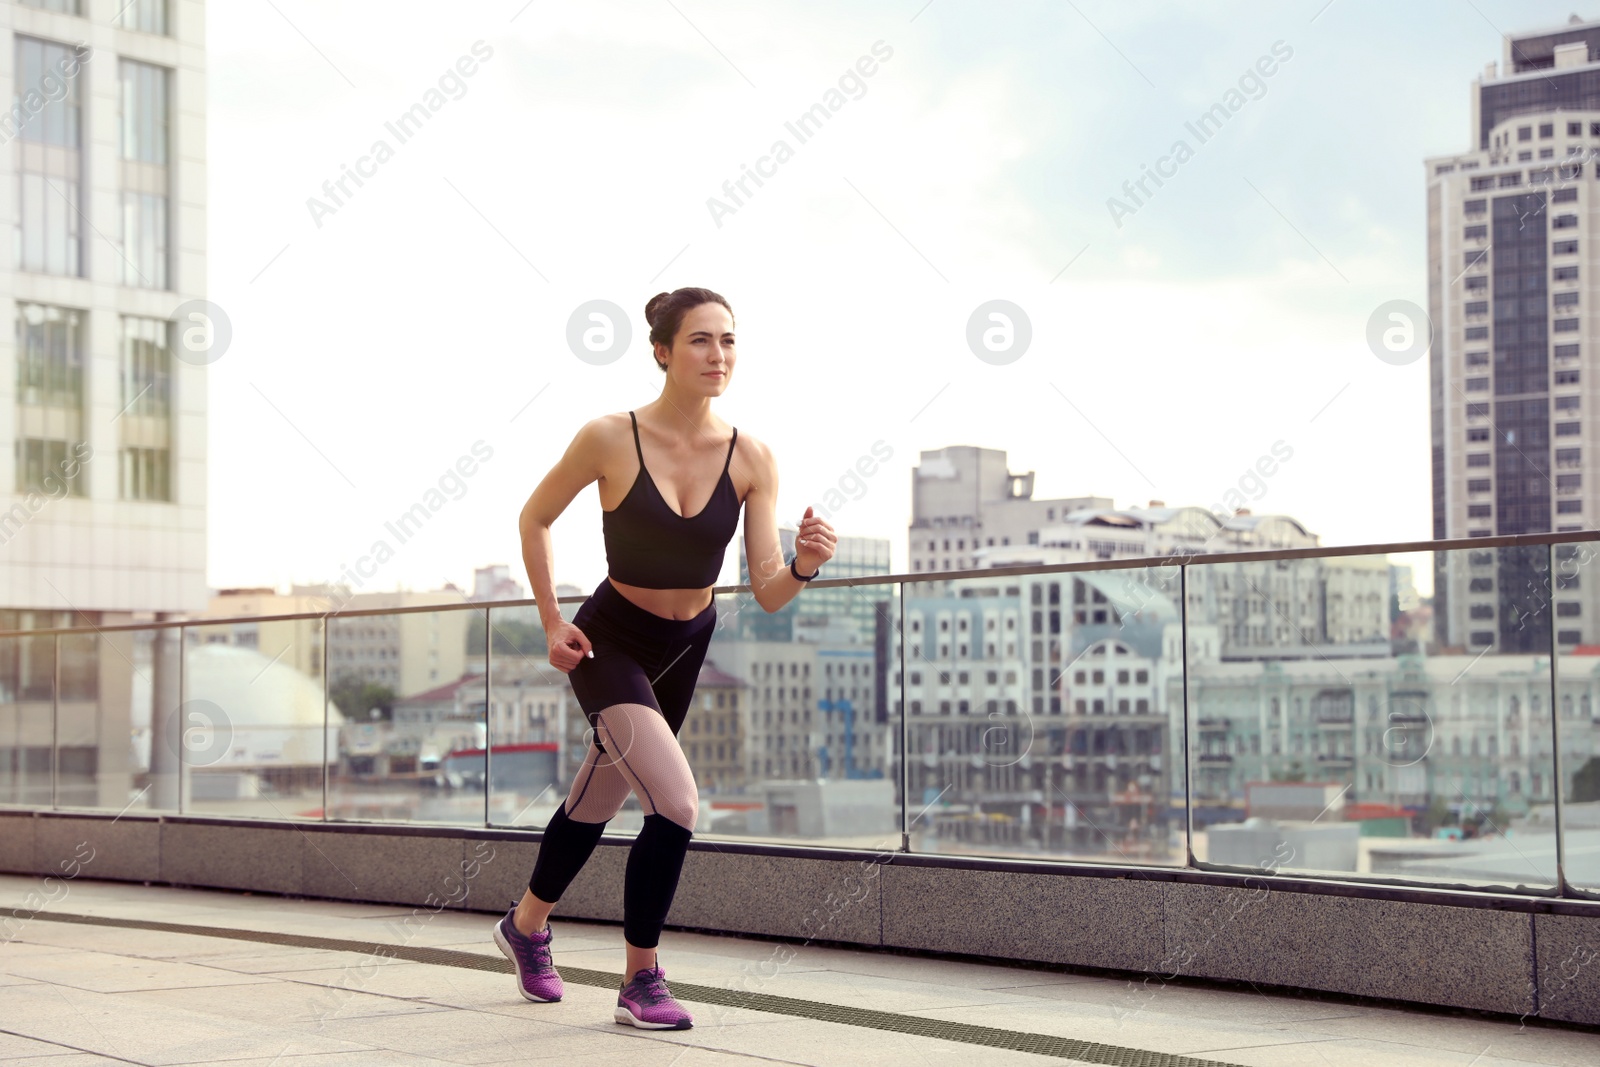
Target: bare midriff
x=677, y=604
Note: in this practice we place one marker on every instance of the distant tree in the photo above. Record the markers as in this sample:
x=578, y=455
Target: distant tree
x=1586, y=783
x=1295, y=773
x=356, y=698
x=511, y=638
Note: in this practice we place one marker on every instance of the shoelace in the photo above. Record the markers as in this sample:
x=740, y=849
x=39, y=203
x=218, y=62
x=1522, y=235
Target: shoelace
x=535, y=953
x=653, y=990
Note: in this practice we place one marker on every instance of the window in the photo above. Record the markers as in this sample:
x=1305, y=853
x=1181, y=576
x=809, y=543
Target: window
x=1565, y=300
x=146, y=404
x=1569, y=457
x=1566, y=377
x=1482, y=183
x=1566, y=351
x=1507, y=180
x=143, y=144
x=1477, y=385
x=1474, y=207
x=49, y=159
x=1479, y=307
x=1563, y=248
x=1476, y=283
x=1569, y=609
x=1568, y=403
x=1561, y=196
x=1563, y=222
x=1574, y=129
x=50, y=392
x=1477, y=511
x=1546, y=129
x=1565, y=274
x=1477, y=359
x=146, y=16
x=1568, y=482
x=1477, y=485
x=1481, y=333
x=1524, y=133
x=1567, y=429
x=1566, y=326
x=1482, y=611
x=1478, y=257
x=1475, y=233
x=1478, y=459
x=1481, y=585
x=1569, y=507
x=1569, y=637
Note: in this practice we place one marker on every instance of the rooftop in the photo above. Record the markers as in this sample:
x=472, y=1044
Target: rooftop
x=120, y=973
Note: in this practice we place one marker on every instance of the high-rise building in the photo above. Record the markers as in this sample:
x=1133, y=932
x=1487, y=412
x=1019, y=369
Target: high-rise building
x=1509, y=220
x=105, y=509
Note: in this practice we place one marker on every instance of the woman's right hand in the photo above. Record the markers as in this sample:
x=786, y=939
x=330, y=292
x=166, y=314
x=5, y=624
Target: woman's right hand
x=568, y=646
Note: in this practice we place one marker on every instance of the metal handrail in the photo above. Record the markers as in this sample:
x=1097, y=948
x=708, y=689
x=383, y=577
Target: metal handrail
x=1174, y=559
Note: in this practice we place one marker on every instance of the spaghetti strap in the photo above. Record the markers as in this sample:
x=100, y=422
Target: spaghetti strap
x=731, y=443
x=636, y=446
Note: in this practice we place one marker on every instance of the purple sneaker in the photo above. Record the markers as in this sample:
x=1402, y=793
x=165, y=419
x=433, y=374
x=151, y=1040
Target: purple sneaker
x=537, y=979
x=645, y=1003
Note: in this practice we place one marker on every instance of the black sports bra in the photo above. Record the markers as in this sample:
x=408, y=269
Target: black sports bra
x=650, y=545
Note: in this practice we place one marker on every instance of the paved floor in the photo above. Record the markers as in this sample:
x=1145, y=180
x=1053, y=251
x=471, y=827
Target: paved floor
x=93, y=992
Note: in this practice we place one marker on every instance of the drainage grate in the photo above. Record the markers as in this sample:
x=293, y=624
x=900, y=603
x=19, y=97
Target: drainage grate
x=966, y=1033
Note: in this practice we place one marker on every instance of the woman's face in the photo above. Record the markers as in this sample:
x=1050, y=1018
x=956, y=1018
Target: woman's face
x=702, y=354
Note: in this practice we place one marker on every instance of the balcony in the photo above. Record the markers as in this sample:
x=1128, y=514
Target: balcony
x=263, y=769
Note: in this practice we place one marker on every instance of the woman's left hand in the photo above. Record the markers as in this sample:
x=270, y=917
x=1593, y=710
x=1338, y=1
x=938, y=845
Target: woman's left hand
x=814, y=544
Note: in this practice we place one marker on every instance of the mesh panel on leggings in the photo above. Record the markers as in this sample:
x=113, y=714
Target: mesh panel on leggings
x=598, y=789
x=649, y=759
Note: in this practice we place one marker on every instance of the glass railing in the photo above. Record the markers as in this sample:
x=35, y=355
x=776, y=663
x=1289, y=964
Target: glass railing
x=1290, y=712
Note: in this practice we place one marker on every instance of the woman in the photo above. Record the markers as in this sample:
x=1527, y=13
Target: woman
x=634, y=648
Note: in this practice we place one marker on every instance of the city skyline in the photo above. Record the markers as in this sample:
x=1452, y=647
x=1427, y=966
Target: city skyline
x=969, y=169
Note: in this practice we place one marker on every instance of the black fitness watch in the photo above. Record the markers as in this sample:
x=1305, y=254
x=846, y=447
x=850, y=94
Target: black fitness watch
x=795, y=571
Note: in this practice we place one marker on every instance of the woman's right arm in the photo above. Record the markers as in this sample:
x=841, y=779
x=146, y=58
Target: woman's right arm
x=577, y=467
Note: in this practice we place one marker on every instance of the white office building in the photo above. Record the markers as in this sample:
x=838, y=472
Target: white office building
x=103, y=509
x=1509, y=223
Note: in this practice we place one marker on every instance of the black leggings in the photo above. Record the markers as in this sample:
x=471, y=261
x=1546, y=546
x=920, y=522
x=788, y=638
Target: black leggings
x=635, y=693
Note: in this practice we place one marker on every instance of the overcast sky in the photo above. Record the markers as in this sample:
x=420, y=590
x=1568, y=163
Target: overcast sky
x=376, y=339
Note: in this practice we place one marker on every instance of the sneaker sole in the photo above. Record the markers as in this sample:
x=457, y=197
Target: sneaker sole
x=628, y=1018
x=500, y=940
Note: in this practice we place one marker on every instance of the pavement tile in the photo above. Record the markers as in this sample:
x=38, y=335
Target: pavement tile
x=117, y=1025
x=103, y=972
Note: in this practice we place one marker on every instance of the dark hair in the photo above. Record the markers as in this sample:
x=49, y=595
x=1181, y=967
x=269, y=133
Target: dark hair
x=664, y=312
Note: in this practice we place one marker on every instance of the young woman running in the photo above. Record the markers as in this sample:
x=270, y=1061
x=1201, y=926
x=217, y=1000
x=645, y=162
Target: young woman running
x=634, y=648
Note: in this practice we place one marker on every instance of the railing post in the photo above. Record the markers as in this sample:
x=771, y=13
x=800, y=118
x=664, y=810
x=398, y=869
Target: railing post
x=163, y=720
x=488, y=720
x=327, y=705
x=177, y=738
x=1557, y=785
x=1183, y=665
x=905, y=751
x=55, y=725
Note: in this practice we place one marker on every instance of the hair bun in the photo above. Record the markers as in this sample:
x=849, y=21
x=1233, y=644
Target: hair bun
x=652, y=304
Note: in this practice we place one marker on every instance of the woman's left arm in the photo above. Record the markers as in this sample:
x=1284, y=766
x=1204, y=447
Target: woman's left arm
x=771, y=582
